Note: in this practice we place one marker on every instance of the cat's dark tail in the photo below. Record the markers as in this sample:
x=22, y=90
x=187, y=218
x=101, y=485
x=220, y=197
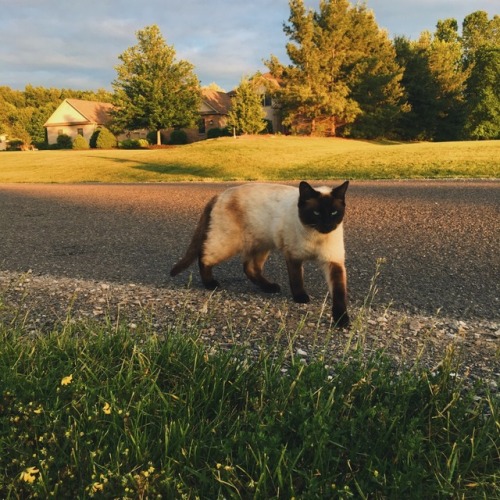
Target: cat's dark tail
x=195, y=247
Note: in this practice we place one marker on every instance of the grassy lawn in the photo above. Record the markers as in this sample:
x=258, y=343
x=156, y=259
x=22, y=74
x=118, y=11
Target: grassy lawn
x=258, y=158
x=104, y=411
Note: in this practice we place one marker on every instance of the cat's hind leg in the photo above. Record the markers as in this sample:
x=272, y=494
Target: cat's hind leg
x=207, y=277
x=253, y=266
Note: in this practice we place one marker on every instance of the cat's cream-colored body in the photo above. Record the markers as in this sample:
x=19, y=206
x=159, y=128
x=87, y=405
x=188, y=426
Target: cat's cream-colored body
x=253, y=219
x=263, y=217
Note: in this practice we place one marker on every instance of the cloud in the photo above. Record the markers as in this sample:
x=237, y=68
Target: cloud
x=76, y=45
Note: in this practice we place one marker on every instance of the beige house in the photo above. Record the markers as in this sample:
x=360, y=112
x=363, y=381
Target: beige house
x=77, y=117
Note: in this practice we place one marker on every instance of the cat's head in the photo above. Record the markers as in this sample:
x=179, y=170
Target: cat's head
x=322, y=209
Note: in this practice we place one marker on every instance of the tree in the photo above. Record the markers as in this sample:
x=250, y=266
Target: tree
x=246, y=115
x=481, y=39
x=483, y=96
x=152, y=89
x=343, y=71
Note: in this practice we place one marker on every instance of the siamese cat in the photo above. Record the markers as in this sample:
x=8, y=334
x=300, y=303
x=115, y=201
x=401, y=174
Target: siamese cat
x=255, y=218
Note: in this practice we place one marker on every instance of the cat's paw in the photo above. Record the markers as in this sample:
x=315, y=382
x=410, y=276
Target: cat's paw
x=271, y=288
x=211, y=285
x=301, y=298
x=341, y=320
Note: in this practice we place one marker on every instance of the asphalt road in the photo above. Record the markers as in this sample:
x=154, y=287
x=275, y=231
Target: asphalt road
x=439, y=239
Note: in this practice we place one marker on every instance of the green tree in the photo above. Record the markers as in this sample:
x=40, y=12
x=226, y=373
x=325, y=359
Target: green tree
x=483, y=96
x=434, y=79
x=246, y=115
x=481, y=41
x=152, y=89
x=343, y=71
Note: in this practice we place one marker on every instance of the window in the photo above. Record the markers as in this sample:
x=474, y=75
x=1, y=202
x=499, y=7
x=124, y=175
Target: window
x=266, y=100
x=80, y=131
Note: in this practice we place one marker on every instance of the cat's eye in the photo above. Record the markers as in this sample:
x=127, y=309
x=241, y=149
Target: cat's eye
x=315, y=212
x=335, y=213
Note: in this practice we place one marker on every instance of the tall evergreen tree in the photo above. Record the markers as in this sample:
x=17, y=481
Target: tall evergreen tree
x=152, y=89
x=343, y=71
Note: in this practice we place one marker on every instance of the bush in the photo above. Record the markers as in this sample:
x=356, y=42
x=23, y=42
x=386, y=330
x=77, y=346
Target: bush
x=102, y=138
x=178, y=137
x=80, y=143
x=133, y=144
x=15, y=145
x=64, y=141
x=215, y=132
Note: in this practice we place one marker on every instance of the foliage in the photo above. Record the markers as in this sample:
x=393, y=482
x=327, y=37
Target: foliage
x=80, y=143
x=144, y=413
x=483, y=96
x=276, y=158
x=102, y=138
x=133, y=144
x=215, y=132
x=343, y=70
x=64, y=141
x=152, y=89
x=178, y=136
x=246, y=115
x=15, y=145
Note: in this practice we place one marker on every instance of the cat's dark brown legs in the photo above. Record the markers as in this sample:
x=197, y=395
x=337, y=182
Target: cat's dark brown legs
x=253, y=267
x=207, y=277
x=296, y=277
x=337, y=281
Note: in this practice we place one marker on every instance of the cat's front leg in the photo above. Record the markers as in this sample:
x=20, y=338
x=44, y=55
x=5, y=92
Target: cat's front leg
x=337, y=283
x=296, y=277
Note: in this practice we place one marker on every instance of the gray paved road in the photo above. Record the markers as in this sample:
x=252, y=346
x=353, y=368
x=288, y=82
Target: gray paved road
x=439, y=240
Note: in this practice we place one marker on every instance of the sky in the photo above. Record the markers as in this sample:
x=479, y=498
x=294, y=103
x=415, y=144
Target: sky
x=75, y=45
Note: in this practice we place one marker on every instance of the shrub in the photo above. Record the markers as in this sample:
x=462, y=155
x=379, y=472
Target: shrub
x=102, y=138
x=15, y=145
x=80, y=142
x=133, y=144
x=215, y=132
x=178, y=137
x=64, y=142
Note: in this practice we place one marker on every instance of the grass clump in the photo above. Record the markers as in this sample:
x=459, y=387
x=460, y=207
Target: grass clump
x=119, y=413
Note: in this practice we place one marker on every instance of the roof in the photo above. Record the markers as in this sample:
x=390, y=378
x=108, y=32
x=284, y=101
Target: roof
x=95, y=112
x=220, y=102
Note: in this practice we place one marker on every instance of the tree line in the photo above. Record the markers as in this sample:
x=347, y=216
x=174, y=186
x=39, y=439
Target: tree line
x=345, y=77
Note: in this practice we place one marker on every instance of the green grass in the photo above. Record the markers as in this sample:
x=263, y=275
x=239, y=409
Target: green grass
x=102, y=410
x=258, y=158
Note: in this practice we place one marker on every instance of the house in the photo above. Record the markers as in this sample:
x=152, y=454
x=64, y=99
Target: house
x=77, y=117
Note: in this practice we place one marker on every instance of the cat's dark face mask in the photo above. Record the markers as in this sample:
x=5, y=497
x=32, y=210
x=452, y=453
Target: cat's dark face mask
x=319, y=211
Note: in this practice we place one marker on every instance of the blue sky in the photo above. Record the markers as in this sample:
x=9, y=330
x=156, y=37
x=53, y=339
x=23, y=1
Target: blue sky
x=76, y=45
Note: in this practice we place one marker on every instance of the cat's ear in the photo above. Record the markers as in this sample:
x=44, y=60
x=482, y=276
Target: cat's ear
x=307, y=191
x=339, y=192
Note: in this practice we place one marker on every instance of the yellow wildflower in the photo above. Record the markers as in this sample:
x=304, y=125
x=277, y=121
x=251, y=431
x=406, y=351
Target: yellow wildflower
x=29, y=474
x=107, y=409
x=67, y=380
x=97, y=487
